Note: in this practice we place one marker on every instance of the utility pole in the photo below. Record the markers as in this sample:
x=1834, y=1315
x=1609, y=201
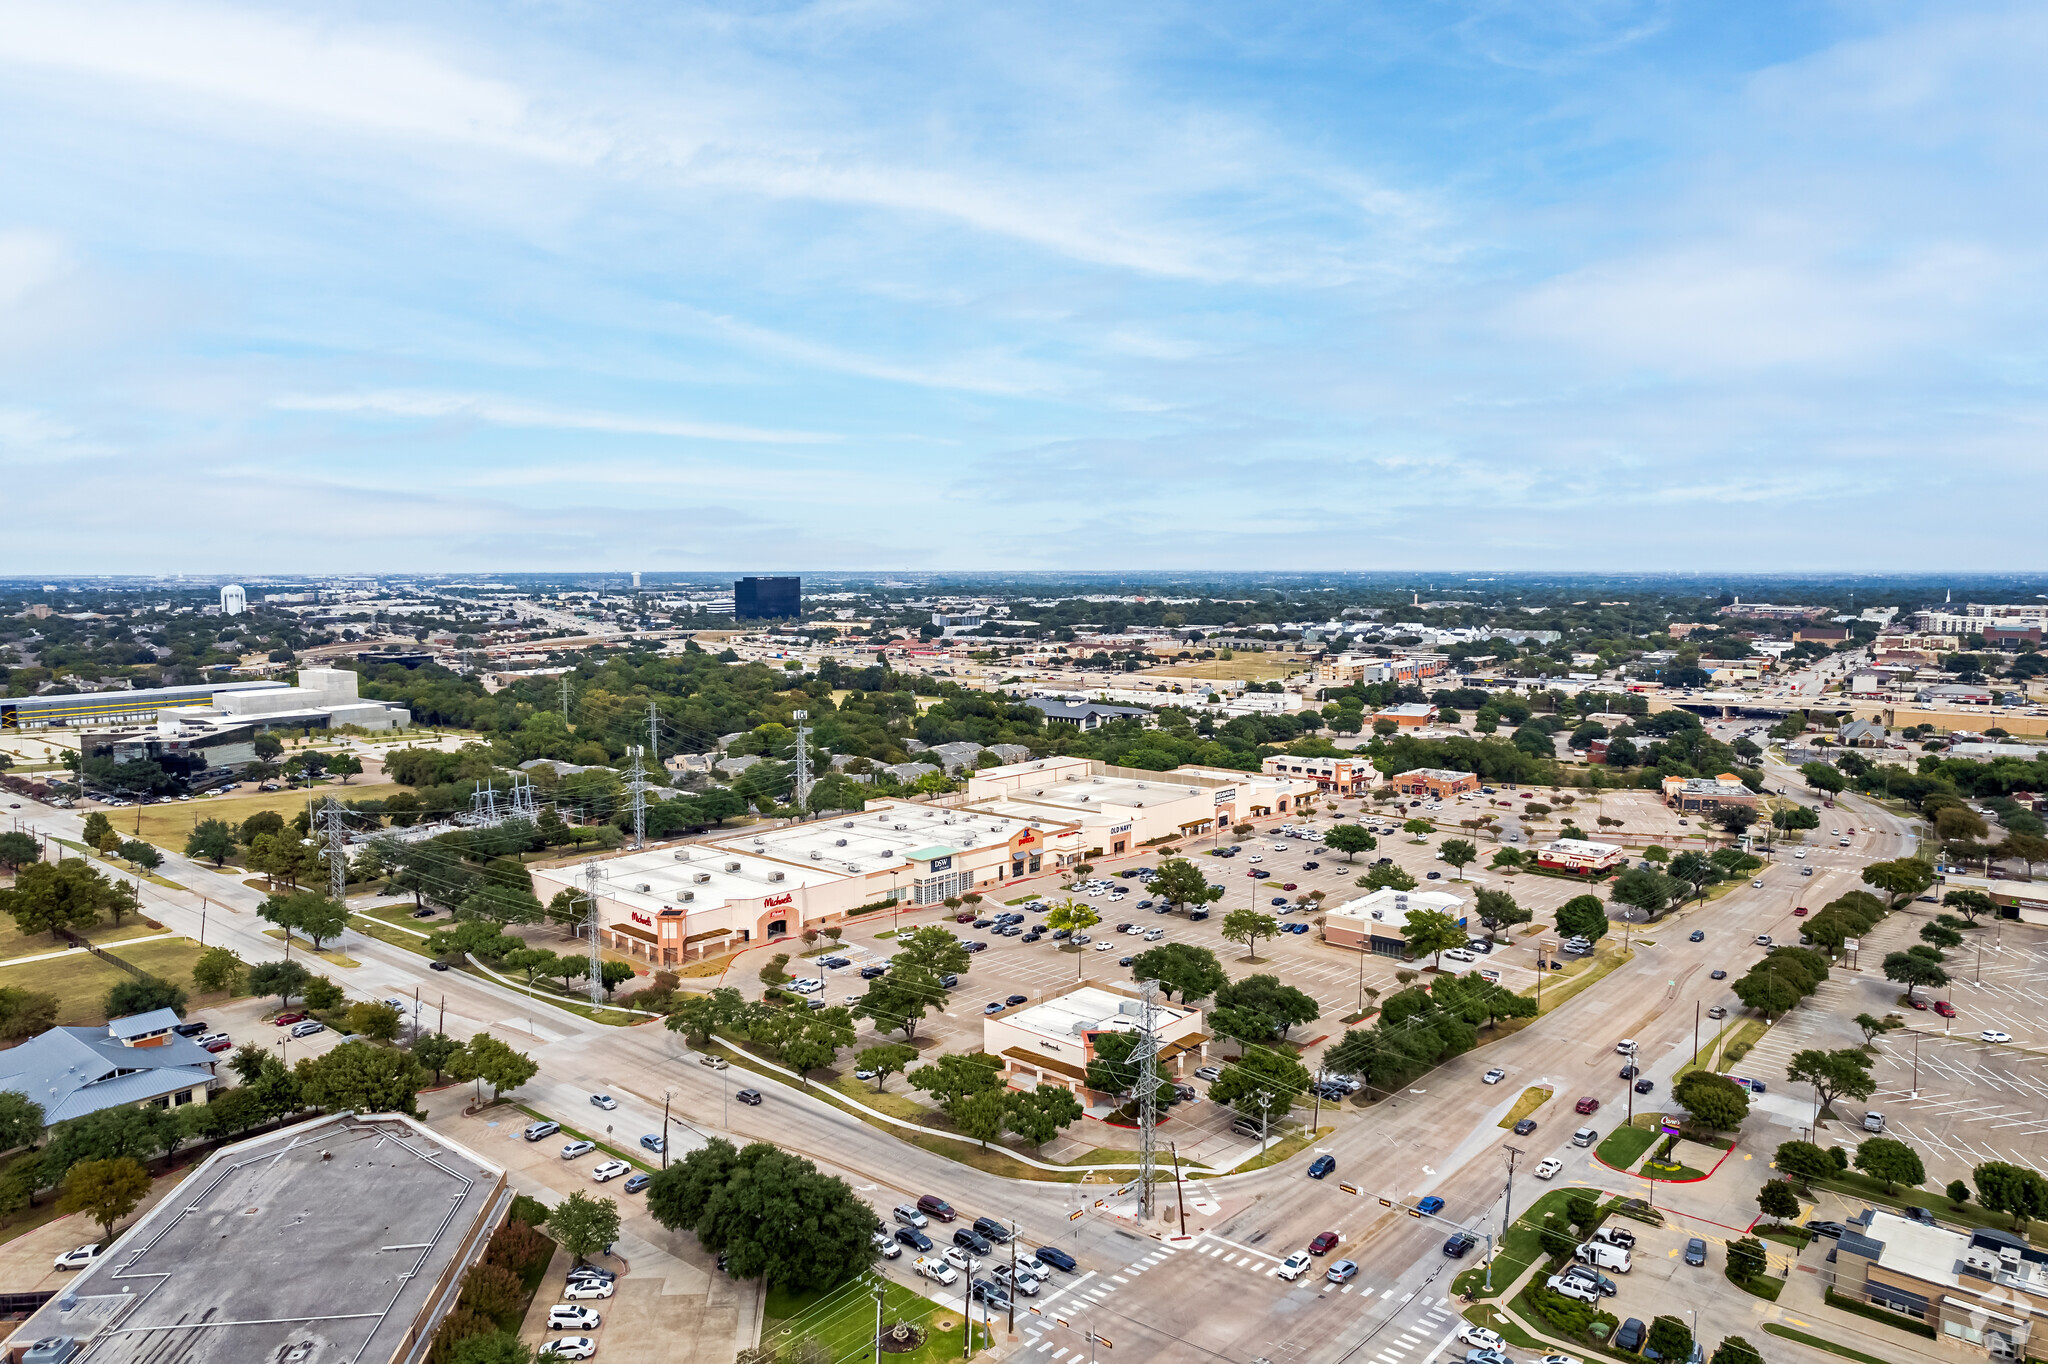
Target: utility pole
x=592, y=873
x=881, y=1292
x=1013, y=1278
x=666, y=1095
x=1265, y=1098
x=1148, y=1095
x=1180, y=1190
x=1507, y=1216
x=565, y=699
x=803, y=756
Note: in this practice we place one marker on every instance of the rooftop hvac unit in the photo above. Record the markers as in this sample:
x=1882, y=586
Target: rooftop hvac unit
x=1085, y=798
x=847, y=825
x=1139, y=803
x=758, y=842
x=888, y=852
x=643, y=887
x=853, y=866
x=1979, y=1258
x=1141, y=786
x=817, y=857
x=1096, y=780
x=1039, y=792
x=686, y=897
x=838, y=842
x=901, y=827
x=683, y=856
x=701, y=877
x=775, y=875
x=732, y=866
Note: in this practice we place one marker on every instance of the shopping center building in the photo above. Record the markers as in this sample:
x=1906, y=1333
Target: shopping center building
x=681, y=903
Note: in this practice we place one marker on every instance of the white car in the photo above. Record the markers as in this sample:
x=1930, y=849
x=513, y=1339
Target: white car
x=610, y=1170
x=960, y=1259
x=1493, y=1077
x=79, y=1258
x=1483, y=1338
x=1255, y=858
x=1459, y=954
x=1756, y=885
x=1549, y=1168
x=604, y=1101
x=591, y=1288
x=1556, y=1359
x=1993, y=1035
x=1294, y=1266
x=570, y=1317
x=568, y=1347
x=578, y=1148
x=1104, y=946
x=885, y=1246
x=1279, y=847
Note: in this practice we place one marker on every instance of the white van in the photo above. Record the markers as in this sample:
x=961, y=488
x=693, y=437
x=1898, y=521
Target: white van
x=1625, y=1047
x=1600, y=1255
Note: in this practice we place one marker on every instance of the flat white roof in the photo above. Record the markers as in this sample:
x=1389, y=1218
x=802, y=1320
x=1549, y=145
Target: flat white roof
x=1389, y=908
x=669, y=872
x=1090, y=1009
x=1924, y=1252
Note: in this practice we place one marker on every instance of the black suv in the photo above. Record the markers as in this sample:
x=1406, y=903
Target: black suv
x=970, y=1240
x=995, y=1231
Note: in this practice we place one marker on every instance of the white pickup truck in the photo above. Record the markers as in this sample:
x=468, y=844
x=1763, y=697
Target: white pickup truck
x=935, y=1269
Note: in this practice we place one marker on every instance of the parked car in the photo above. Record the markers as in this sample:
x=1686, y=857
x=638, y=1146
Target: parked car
x=1831, y=1229
x=1989, y=1035
x=570, y=1317
x=1944, y=1008
x=610, y=1170
x=576, y=1149
x=1629, y=1335
x=589, y=1290
x=567, y=1347
x=308, y=1028
x=538, y=1131
x=80, y=1257
x=1323, y=1244
x=1294, y=1266
x=637, y=1181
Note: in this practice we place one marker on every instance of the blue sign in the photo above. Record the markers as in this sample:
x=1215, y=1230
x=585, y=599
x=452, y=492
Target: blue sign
x=942, y=864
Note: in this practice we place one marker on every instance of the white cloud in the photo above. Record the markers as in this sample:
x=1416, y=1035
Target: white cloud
x=511, y=412
x=29, y=261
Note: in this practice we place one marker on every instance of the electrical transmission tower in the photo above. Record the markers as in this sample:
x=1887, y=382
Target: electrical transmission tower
x=1147, y=1057
x=525, y=804
x=483, y=805
x=803, y=757
x=639, y=785
x=337, y=853
x=592, y=874
x=565, y=698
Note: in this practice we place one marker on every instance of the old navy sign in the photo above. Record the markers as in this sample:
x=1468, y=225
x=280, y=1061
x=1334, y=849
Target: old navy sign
x=777, y=901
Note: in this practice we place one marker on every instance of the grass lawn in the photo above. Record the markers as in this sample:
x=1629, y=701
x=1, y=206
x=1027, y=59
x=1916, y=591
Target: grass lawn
x=303, y=947
x=80, y=980
x=1765, y=1286
x=843, y=1320
x=14, y=943
x=1787, y=1333
x=1667, y=1170
x=1605, y=959
x=1533, y=1098
x=1281, y=1150
x=1263, y=667
x=1522, y=1246
x=168, y=826
x=1625, y=1145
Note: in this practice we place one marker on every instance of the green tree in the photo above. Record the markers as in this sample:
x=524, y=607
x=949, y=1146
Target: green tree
x=1181, y=882
x=1040, y=1114
x=1075, y=916
x=1181, y=968
x=1386, y=876
x=1900, y=879
x=358, y=1077
x=1940, y=935
x=612, y=974
x=435, y=1051
x=530, y=962
x=1694, y=870
x=303, y=911
x=1283, y=1006
x=1736, y=1350
x=1874, y=1027
x=138, y=853
x=21, y=1120
x=281, y=978
x=1714, y=1101
x=26, y=1013
x=323, y=994
x=1496, y=910
x=1958, y=1193
x=1833, y=1074
x=218, y=971
x=18, y=849
x=1776, y=1199
x=899, y=999
x=1670, y=1338
x=955, y=1076
x=495, y=1063
x=1746, y=1259
x=2007, y=1188
x=1460, y=853
x=1247, y=926
x=1822, y=777
x=982, y=1117
x=1913, y=971
x=374, y=1019
x=772, y=1214
x=49, y=897
x=104, y=1190
x=1646, y=890
x=98, y=827
x=1892, y=1161
x=1421, y=828
x=1349, y=839
x=696, y=1017
x=1261, y=1082
x=1431, y=932
x=492, y=1347
x=1583, y=916
x=1803, y=1161
x=1969, y=903
x=138, y=995
x=883, y=1060
x=583, y=1225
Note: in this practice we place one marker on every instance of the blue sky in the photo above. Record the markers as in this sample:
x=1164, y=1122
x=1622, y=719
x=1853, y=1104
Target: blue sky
x=898, y=285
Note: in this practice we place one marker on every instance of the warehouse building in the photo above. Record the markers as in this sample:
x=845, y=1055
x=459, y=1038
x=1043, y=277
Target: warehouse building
x=345, y=1238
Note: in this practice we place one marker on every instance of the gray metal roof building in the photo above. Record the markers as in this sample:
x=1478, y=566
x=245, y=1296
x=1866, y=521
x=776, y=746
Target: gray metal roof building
x=75, y=1071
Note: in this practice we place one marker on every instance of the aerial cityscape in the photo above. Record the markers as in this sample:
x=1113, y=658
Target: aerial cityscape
x=826, y=683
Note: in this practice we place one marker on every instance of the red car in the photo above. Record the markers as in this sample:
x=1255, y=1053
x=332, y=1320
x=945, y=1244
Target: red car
x=1944, y=1008
x=963, y=918
x=1588, y=1104
x=1919, y=1004
x=1799, y=913
x=1289, y=885
x=1324, y=1243
x=220, y=1044
x=284, y=1019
